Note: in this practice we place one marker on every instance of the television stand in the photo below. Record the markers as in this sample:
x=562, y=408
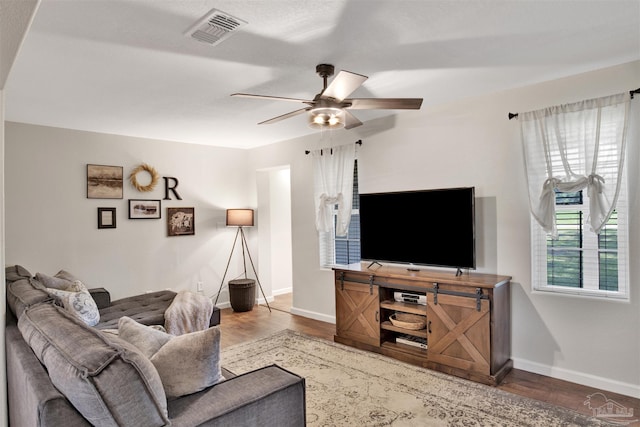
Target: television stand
x=459, y=272
x=467, y=319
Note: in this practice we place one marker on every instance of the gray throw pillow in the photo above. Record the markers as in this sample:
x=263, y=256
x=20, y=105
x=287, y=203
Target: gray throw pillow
x=186, y=363
x=54, y=282
x=73, y=294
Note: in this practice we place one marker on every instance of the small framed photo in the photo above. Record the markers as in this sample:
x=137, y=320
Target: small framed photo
x=106, y=217
x=104, y=182
x=144, y=209
x=181, y=221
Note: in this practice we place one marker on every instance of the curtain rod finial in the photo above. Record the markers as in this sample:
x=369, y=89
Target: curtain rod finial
x=513, y=115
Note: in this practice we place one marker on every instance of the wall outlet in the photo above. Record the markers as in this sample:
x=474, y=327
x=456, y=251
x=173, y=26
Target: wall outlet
x=199, y=287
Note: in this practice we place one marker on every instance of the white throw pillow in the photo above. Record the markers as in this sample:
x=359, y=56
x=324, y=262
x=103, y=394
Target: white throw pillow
x=186, y=363
x=73, y=294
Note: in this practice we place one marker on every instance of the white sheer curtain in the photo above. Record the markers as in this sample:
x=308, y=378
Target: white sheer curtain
x=571, y=147
x=333, y=185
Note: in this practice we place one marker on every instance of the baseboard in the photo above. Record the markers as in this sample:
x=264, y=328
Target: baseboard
x=589, y=380
x=261, y=300
x=313, y=315
x=282, y=291
x=227, y=304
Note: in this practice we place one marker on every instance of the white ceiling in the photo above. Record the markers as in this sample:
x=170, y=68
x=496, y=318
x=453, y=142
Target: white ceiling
x=125, y=67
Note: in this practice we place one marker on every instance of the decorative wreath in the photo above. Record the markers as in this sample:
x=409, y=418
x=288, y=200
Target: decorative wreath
x=151, y=171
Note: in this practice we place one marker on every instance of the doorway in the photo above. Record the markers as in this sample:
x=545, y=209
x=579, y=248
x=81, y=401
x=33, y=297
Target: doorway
x=274, y=235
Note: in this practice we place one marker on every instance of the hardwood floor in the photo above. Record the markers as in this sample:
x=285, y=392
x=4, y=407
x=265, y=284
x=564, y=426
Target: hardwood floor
x=247, y=326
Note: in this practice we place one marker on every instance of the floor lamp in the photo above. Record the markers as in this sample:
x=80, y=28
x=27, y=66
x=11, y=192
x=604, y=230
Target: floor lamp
x=241, y=218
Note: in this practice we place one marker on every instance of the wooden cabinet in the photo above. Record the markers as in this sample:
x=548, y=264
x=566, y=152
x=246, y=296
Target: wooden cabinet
x=459, y=333
x=467, y=318
x=358, y=312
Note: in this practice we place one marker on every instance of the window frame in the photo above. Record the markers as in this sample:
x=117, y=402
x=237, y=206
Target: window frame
x=590, y=251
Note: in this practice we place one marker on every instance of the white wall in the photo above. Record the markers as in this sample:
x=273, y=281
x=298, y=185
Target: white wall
x=51, y=225
x=472, y=143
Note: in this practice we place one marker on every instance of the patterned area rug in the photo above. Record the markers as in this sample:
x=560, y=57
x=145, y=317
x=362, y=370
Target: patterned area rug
x=349, y=387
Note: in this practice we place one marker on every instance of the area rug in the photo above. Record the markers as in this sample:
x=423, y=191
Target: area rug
x=350, y=387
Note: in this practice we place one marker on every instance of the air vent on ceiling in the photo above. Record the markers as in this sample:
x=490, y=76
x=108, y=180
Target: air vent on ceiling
x=214, y=27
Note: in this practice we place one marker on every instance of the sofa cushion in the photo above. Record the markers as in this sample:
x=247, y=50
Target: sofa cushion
x=16, y=272
x=32, y=399
x=186, y=363
x=107, y=380
x=23, y=290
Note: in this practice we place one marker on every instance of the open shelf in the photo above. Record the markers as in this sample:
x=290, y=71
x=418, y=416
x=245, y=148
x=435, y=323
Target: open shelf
x=404, y=307
x=404, y=348
x=422, y=333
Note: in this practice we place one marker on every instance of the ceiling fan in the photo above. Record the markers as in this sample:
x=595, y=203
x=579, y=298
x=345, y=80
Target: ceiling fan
x=328, y=109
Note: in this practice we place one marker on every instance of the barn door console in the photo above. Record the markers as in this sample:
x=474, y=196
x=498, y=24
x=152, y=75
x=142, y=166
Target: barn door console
x=461, y=323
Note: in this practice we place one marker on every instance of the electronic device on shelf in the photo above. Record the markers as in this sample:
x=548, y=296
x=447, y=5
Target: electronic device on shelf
x=410, y=298
x=412, y=341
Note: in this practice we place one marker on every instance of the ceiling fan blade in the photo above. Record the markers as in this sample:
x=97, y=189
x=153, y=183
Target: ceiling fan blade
x=350, y=121
x=285, y=116
x=275, y=98
x=384, y=103
x=343, y=85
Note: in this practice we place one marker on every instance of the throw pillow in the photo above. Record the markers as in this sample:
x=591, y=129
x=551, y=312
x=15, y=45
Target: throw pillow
x=62, y=280
x=73, y=295
x=186, y=363
x=147, y=339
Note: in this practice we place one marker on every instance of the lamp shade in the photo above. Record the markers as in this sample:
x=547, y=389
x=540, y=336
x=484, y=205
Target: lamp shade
x=240, y=217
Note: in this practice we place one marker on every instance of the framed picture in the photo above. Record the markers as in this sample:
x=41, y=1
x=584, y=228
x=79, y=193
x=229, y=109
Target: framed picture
x=181, y=221
x=144, y=209
x=106, y=217
x=104, y=182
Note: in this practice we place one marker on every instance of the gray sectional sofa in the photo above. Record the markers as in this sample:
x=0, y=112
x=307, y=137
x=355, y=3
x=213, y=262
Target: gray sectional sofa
x=61, y=372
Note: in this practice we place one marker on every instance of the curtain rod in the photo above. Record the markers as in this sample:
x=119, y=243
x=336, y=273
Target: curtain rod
x=358, y=142
x=631, y=93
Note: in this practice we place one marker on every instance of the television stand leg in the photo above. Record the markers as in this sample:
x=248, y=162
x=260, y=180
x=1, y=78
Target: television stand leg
x=459, y=272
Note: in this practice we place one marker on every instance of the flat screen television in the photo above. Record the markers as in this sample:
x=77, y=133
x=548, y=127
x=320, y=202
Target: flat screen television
x=427, y=227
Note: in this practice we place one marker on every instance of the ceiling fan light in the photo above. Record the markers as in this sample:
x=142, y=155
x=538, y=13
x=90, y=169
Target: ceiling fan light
x=326, y=118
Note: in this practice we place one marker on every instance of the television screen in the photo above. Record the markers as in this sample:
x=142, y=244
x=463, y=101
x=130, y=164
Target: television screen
x=429, y=227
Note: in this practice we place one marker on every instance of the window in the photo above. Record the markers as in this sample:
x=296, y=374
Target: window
x=346, y=249
x=573, y=152
x=580, y=261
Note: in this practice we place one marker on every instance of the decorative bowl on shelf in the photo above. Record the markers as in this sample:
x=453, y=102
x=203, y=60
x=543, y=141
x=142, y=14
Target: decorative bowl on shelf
x=412, y=322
